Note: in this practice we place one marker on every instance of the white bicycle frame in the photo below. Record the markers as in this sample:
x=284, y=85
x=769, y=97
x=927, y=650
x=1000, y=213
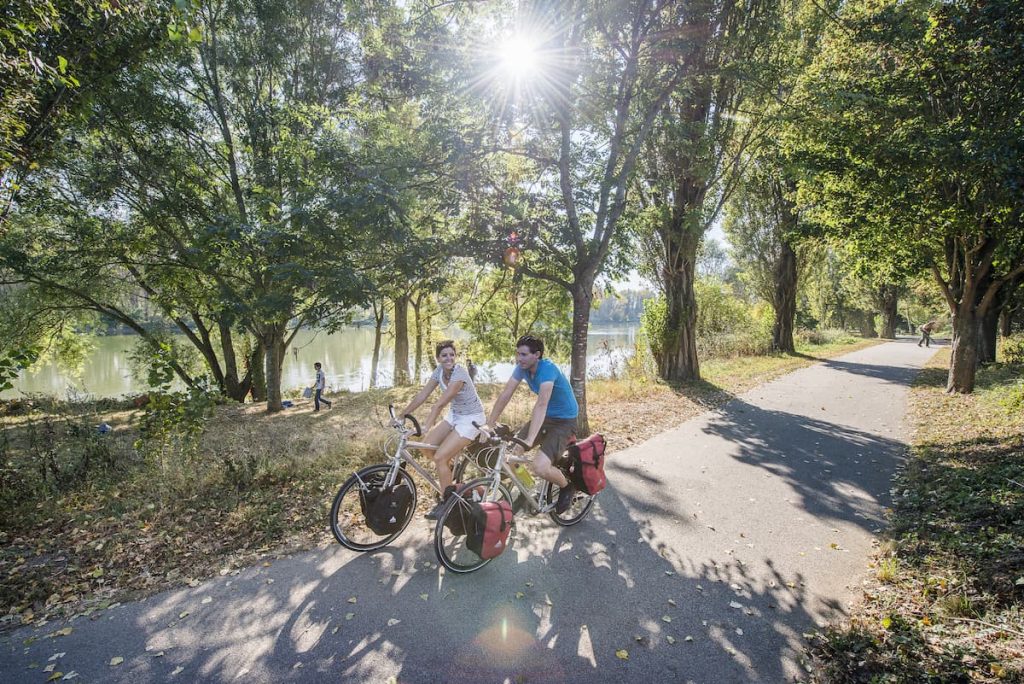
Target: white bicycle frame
x=504, y=465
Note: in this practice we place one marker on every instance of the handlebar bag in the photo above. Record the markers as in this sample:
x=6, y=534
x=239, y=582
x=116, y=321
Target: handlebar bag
x=586, y=464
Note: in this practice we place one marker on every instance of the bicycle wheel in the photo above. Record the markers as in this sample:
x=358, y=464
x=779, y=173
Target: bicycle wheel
x=577, y=510
x=348, y=519
x=449, y=536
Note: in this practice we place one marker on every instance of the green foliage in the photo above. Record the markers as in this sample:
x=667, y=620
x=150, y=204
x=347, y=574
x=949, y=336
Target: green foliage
x=726, y=326
x=1011, y=349
x=13, y=362
x=505, y=306
x=173, y=421
x=654, y=325
x=55, y=53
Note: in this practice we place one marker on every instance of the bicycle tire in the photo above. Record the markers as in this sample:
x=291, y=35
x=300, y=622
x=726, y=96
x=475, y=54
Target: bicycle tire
x=348, y=524
x=577, y=511
x=451, y=548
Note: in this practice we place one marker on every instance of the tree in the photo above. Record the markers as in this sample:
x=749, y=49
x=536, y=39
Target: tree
x=690, y=165
x=578, y=125
x=914, y=139
x=762, y=224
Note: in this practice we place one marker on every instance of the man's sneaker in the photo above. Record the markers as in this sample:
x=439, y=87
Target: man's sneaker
x=448, y=491
x=565, y=499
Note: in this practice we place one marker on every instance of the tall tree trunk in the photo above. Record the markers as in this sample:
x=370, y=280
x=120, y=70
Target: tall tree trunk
x=273, y=341
x=401, y=340
x=257, y=360
x=678, y=360
x=418, y=323
x=988, y=334
x=889, y=300
x=784, y=300
x=582, y=300
x=234, y=387
x=1006, y=322
x=866, y=319
x=378, y=324
x=964, y=361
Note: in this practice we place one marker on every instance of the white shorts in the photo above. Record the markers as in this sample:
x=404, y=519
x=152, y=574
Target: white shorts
x=464, y=424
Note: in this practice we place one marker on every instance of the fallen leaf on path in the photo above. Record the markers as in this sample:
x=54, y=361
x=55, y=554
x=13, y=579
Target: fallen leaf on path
x=739, y=632
x=55, y=656
x=208, y=599
x=734, y=604
x=666, y=618
x=349, y=616
x=63, y=632
x=352, y=599
x=183, y=614
x=670, y=639
x=69, y=676
x=393, y=621
x=688, y=638
x=671, y=602
x=55, y=676
x=50, y=668
x=622, y=654
x=177, y=670
x=424, y=596
x=520, y=594
x=116, y=660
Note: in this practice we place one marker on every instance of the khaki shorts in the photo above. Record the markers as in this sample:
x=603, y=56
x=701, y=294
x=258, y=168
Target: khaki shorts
x=553, y=436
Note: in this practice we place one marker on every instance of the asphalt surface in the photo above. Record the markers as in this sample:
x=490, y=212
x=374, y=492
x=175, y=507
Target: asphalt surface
x=715, y=547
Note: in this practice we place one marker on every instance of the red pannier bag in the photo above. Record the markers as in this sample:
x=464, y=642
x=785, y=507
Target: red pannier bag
x=489, y=535
x=586, y=464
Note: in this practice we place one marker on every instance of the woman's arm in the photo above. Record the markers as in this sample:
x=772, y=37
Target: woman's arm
x=449, y=394
x=419, y=398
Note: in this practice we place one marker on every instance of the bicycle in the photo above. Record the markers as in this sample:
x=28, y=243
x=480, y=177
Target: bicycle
x=350, y=517
x=456, y=517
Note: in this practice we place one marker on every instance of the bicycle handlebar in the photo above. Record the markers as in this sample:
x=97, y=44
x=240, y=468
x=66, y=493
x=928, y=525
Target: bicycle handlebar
x=503, y=432
x=416, y=423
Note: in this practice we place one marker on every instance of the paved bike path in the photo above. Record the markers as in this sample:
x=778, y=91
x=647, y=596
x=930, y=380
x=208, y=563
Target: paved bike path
x=717, y=544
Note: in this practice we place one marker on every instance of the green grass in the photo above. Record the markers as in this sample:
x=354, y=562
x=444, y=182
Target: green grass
x=947, y=605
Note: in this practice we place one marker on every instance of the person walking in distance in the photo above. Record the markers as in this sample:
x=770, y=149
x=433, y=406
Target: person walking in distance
x=318, y=388
x=926, y=333
x=553, y=419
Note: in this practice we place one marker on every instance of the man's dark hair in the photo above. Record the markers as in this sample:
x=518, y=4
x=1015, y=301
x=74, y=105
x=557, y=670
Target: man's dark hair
x=316, y=365
x=534, y=343
x=442, y=345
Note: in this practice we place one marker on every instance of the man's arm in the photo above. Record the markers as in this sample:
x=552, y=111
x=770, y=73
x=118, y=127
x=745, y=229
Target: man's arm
x=540, y=409
x=502, y=401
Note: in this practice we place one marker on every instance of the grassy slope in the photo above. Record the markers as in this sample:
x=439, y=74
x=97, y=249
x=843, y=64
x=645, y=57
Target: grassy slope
x=256, y=485
x=946, y=601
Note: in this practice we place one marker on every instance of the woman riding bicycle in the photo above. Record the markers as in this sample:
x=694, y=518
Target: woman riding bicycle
x=456, y=431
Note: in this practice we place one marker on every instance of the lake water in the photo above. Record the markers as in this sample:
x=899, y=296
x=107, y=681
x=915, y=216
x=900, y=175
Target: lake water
x=345, y=354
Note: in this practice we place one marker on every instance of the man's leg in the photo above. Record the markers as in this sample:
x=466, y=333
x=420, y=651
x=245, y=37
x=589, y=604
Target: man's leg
x=543, y=467
x=316, y=401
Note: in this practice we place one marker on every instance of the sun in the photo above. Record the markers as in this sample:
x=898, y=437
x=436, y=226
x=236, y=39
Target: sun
x=518, y=57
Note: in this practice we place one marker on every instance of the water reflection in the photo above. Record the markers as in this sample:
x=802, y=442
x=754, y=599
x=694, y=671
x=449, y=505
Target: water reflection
x=346, y=356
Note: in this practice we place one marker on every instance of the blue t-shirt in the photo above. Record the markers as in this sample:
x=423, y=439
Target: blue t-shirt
x=563, y=401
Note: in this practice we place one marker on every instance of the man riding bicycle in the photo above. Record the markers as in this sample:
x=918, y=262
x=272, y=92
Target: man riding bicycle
x=554, y=413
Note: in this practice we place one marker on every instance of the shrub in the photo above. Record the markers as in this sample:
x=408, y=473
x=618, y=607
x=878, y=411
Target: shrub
x=1012, y=348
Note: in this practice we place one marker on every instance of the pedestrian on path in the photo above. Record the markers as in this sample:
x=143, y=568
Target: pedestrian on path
x=926, y=333
x=318, y=387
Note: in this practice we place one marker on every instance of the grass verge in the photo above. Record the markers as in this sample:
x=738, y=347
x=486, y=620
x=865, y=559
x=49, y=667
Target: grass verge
x=89, y=520
x=945, y=602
